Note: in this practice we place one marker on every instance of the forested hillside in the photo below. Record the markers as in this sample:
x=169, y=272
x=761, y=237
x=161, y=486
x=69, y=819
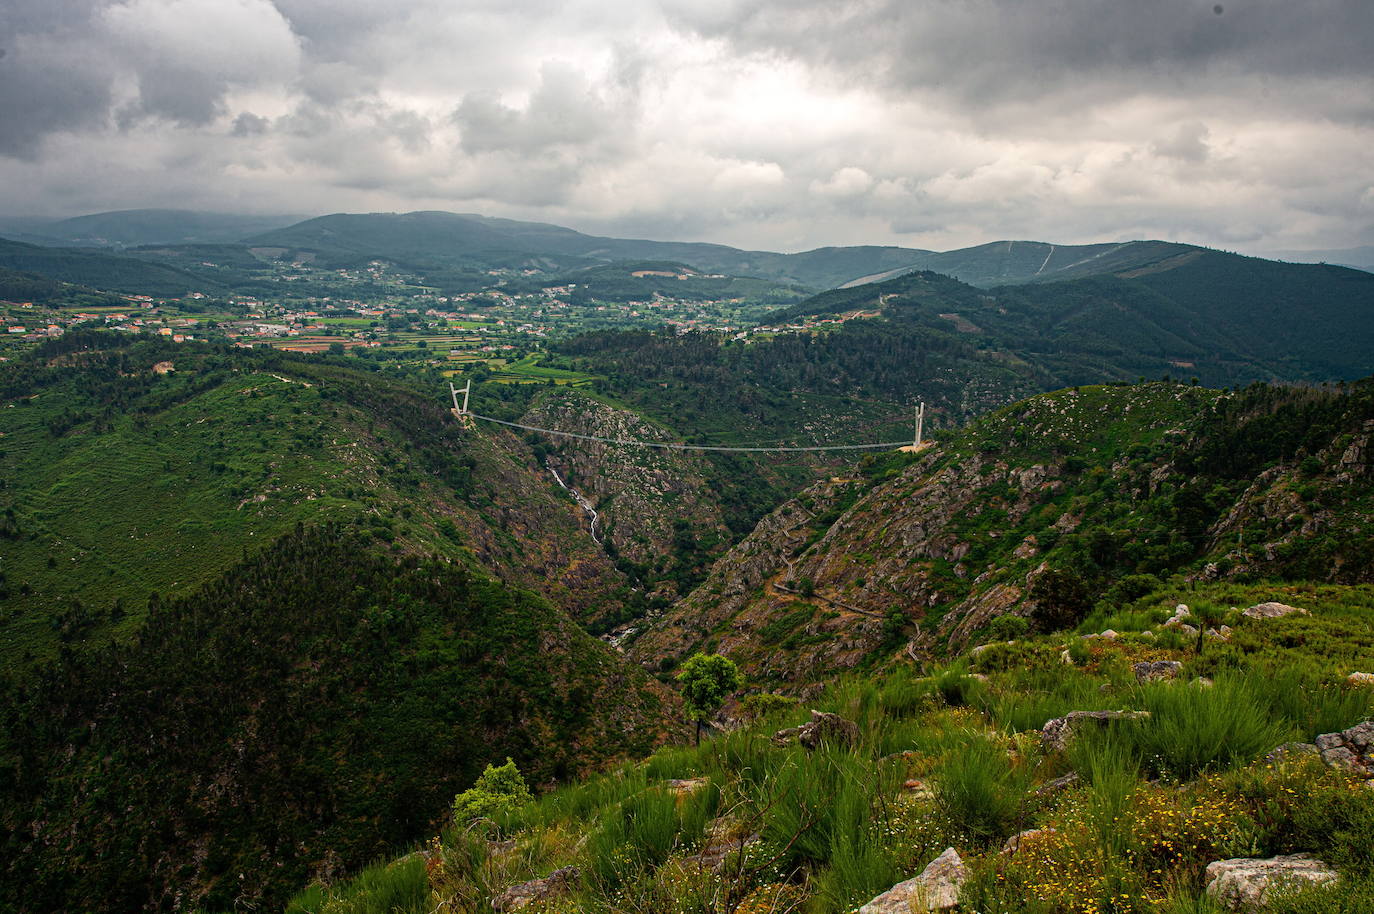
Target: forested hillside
x=140, y=468
x=106, y=272
x=1223, y=318
x=316, y=706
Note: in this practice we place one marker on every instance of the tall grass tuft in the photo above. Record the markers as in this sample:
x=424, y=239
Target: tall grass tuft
x=819, y=803
x=1195, y=729
x=1310, y=705
x=979, y=792
x=643, y=830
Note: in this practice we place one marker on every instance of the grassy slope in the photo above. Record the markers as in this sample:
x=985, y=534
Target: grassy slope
x=1156, y=803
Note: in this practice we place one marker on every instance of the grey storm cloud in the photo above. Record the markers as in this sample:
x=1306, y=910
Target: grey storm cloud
x=782, y=124
x=990, y=50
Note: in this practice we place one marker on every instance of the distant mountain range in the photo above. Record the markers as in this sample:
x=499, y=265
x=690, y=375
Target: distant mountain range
x=1361, y=258
x=133, y=227
x=432, y=241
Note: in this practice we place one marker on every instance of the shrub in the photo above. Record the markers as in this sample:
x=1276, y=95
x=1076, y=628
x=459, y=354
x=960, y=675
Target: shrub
x=1007, y=628
x=497, y=791
x=958, y=688
x=764, y=704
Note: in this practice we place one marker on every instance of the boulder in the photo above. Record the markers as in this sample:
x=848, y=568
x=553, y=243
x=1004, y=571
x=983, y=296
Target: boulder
x=685, y=787
x=1049, y=788
x=917, y=789
x=1146, y=671
x=823, y=728
x=1352, y=749
x=1181, y=612
x=1360, y=679
x=1272, y=610
x=1056, y=735
x=1247, y=884
x=717, y=851
x=526, y=893
x=1015, y=842
x=936, y=889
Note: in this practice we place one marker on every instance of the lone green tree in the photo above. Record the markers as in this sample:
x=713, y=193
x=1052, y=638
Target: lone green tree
x=706, y=681
x=497, y=790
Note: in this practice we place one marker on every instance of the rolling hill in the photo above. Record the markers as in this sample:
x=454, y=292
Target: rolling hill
x=464, y=239
x=106, y=272
x=1222, y=317
x=135, y=227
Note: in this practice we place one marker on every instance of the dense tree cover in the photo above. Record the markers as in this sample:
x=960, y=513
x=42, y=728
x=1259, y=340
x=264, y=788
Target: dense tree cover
x=18, y=286
x=102, y=271
x=319, y=704
x=1223, y=318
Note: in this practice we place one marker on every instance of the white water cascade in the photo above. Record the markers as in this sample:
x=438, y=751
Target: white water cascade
x=582, y=503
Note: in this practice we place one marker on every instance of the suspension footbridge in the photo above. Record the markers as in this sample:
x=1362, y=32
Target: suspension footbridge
x=463, y=410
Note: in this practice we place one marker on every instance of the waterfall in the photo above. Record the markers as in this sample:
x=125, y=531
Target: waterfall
x=582, y=503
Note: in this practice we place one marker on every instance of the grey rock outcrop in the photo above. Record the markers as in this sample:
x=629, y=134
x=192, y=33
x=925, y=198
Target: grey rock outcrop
x=823, y=728
x=936, y=889
x=526, y=893
x=1272, y=610
x=1352, y=749
x=1159, y=669
x=718, y=850
x=1247, y=884
x=1056, y=735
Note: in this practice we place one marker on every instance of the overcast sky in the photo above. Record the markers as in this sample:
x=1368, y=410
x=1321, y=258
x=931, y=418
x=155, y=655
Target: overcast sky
x=1246, y=125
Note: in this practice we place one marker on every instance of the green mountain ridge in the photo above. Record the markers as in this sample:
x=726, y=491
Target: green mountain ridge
x=1079, y=489
x=131, y=228
x=228, y=449
x=1222, y=317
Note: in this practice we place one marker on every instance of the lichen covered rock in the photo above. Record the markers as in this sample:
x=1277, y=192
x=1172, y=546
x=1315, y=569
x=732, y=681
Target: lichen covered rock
x=936, y=889
x=1248, y=884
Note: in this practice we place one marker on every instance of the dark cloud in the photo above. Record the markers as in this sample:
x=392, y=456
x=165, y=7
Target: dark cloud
x=249, y=124
x=993, y=50
x=41, y=95
x=788, y=124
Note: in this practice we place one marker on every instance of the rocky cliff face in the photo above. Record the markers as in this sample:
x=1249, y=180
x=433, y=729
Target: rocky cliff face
x=653, y=507
x=1104, y=481
x=524, y=531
